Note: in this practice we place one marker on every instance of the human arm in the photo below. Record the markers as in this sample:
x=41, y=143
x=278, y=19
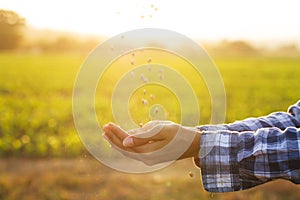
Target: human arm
x=231, y=160
x=241, y=160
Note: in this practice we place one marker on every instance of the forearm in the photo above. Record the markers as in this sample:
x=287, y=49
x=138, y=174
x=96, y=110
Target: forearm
x=250, y=152
x=232, y=161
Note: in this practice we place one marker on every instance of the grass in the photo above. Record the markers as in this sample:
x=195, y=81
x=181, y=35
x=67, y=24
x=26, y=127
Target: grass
x=36, y=105
x=256, y=86
x=36, y=96
x=42, y=156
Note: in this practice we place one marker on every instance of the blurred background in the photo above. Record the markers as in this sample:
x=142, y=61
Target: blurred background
x=254, y=44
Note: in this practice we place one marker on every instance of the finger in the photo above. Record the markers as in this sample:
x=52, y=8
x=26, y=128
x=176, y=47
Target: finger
x=151, y=132
x=112, y=139
x=149, y=147
x=151, y=154
x=115, y=129
x=117, y=137
x=143, y=128
x=134, y=131
x=149, y=125
x=143, y=137
x=116, y=143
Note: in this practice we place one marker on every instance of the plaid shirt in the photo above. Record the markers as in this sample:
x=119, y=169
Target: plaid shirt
x=251, y=152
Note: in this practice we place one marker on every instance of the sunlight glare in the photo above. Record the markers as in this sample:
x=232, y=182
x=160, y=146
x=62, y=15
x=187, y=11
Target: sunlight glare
x=214, y=19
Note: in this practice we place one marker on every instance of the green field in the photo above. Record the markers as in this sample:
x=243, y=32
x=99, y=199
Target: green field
x=36, y=98
x=36, y=121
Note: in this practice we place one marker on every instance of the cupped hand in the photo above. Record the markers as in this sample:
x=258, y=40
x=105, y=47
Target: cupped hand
x=155, y=142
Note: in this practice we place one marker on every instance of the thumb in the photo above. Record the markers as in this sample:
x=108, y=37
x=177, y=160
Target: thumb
x=132, y=141
x=144, y=137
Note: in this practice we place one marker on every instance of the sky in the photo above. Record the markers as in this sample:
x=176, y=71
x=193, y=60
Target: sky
x=256, y=20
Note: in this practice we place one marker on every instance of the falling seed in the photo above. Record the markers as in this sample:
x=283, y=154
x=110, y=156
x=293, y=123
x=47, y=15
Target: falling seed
x=156, y=9
x=142, y=77
x=191, y=174
x=142, y=16
x=145, y=80
x=132, y=62
x=132, y=74
x=152, y=6
x=161, y=77
x=145, y=102
x=144, y=91
x=149, y=60
x=149, y=68
x=156, y=110
x=151, y=96
x=141, y=124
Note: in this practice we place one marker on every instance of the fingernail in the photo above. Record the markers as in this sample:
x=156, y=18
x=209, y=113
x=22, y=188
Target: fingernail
x=105, y=127
x=128, y=141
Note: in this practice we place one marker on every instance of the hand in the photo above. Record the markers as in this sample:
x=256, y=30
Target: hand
x=155, y=142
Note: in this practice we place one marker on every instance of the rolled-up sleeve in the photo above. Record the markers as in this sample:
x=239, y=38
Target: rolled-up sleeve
x=232, y=158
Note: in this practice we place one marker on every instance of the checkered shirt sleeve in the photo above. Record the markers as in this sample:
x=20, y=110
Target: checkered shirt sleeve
x=251, y=152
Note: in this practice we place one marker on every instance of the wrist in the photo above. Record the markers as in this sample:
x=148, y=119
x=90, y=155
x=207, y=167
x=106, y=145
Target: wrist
x=196, y=157
x=196, y=144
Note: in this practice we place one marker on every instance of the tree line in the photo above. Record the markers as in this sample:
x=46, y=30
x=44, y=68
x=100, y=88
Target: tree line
x=11, y=27
x=15, y=35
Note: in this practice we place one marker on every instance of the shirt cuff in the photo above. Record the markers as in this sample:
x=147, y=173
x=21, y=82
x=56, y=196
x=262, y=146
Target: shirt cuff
x=218, y=161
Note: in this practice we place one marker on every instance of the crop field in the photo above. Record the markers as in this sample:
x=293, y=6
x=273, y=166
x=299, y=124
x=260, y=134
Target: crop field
x=42, y=157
